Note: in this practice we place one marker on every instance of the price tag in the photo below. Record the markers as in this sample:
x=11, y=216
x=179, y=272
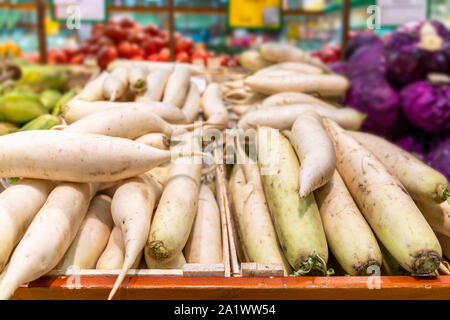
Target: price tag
x=254, y=14
x=83, y=10
x=398, y=12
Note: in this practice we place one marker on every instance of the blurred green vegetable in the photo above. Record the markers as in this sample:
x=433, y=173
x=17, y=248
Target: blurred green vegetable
x=52, y=77
x=49, y=98
x=61, y=103
x=44, y=122
x=20, y=107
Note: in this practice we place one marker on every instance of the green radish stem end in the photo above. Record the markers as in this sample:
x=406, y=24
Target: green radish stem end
x=313, y=265
x=158, y=250
x=426, y=263
x=443, y=193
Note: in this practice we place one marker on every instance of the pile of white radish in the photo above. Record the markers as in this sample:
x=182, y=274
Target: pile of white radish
x=370, y=200
x=123, y=174
x=122, y=184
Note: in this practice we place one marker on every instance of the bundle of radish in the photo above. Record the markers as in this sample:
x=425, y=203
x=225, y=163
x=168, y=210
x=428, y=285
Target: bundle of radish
x=48, y=237
x=297, y=220
x=386, y=205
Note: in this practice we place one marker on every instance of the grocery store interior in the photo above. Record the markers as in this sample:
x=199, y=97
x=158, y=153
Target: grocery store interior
x=224, y=149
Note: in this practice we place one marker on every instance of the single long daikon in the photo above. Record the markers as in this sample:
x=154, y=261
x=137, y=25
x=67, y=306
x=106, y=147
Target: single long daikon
x=326, y=85
x=77, y=157
x=254, y=223
x=125, y=122
x=314, y=150
x=137, y=76
x=297, y=220
x=132, y=208
x=284, y=52
x=92, y=237
x=156, y=83
x=252, y=60
x=294, y=67
x=205, y=241
x=386, y=205
x=77, y=109
x=177, y=86
x=18, y=206
x=213, y=107
x=191, y=106
x=286, y=98
x=113, y=255
x=93, y=90
x=177, y=208
x=422, y=182
x=283, y=117
x=348, y=234
x=48, y=237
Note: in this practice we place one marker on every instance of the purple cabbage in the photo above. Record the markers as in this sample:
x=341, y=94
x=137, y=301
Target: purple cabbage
x=439, y=157
x=417, y=142
x=372, y=94
x=339, y=67
x=368, y=58
x=427, y=106
x=360, y=40
x=407, y=61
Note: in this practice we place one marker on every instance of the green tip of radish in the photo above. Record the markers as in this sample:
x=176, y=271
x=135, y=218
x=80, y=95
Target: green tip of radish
x=426, y=263
x=313, y=265
x=158, y=250
x=443, y=193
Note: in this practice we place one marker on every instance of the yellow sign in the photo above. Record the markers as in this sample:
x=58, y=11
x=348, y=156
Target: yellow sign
x=254, y=14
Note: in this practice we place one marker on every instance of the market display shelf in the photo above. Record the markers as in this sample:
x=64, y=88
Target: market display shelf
x=278, y=288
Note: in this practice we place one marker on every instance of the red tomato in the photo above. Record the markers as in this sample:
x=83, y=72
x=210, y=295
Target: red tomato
x=164, y=54
x=77, y=59
x=127, y=23
x=104, y=41
x=200, y=54
x=128, y=50
x=183, y=44
x=153, y=57
x=152, y=46
x=182, y=57
x=152, y=30
x=115, y=32
x=57, y=56
x=105, y=55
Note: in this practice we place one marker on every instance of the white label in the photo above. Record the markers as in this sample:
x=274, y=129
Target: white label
x=398, y=12
x=89, y=9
